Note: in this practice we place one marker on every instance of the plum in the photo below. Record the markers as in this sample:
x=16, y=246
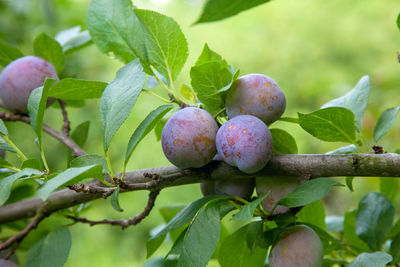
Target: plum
x=245, y=142
x=207, y=188
x=297, y=246
x=188, y=138
x=20, y=77
x=7, y=263
x=257, y=95
x=278, y=187
x=242, y=188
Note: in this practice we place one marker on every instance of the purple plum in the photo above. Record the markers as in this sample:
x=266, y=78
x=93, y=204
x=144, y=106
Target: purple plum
x=242, y=188
x=188, y=138
x=278, y=187
x=245, y=142
x=257, y=95
x=20, y=77
x=297, y=246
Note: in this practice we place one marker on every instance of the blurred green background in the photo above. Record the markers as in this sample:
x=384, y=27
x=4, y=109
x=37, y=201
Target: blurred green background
x=315, y=50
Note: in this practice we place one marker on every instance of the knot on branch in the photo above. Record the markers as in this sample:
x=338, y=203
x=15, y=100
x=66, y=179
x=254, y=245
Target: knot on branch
x=88, y=189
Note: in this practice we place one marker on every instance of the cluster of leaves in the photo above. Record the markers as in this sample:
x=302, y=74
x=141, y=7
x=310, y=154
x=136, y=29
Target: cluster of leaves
x=154, y=49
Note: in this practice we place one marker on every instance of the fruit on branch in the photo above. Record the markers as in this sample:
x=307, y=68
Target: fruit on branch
x=188, y=138
x=245, y=142
x=242, y=188
x=6, y=263
x=278, y=187
x=257, y=95
x=19, y=78
x=297, y=246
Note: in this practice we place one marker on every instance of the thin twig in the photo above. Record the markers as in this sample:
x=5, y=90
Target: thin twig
x=17, y=239
x=123, y=223
x=67, y=124
x=66, y=140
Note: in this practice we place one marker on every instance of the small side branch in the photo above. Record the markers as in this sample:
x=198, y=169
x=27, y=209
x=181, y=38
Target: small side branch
x=124, y=223
x=17, y=239
x=66, y=128
x=65, y=139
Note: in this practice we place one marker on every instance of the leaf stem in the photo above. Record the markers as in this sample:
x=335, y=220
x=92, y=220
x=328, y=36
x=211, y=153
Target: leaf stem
x=16, y=149
x=289, y=119
x=156, y=95
x=44, y=158
x=160, y=81
x=109, y=164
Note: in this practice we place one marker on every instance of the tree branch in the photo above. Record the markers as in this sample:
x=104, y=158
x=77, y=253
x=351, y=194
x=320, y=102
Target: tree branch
x=124, y=223
x=65, y=139
x=307, y=166
x=67, y=124
x=17, y=239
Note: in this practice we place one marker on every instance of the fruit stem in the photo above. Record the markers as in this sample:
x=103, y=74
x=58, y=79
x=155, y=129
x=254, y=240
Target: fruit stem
x=109, y=165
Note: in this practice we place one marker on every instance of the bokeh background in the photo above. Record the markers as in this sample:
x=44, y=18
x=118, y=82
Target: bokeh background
x=315, y=50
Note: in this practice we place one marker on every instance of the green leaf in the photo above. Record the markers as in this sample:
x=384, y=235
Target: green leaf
x=8, y=53
x=330, y=124
x=356, y=100
x=349, y=231
x=80, y=133
x=153, y=244
x=207, y=80
x=187, y=214
x=166, y=46
x=395, y=249
x=7, y=182
x=90, y=159
x=374, y=219
x=313, y=213
x=283, y=142
x=73, y=39
x=398, y=21
x=119, y=97
x=344, y=150
x=68, y=177
x=37, y=105
x=255, y=236
x=51, y=251
x=214, y=10
x=177, y=247
x=395, y=229
x=169, y=212
x=75, y=89
x=145, y=127
x=308, y=192
x=235, y=252
x=46, y=47
x=385, y=121
x=116, y=30
x=246, y=213
x=32, y=164
x=5, y=146
x=3, y=128
x=349, y=182
x=389, y=186
x=375, y=259
x=207, y=55
x=161, y=262
x=202, y=236
x=115, y=201
x=188, y=93
x=334, y=223
x=4, y=163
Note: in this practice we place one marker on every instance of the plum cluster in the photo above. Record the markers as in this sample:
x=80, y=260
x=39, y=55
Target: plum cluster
x=19, y=78
x=191, y=138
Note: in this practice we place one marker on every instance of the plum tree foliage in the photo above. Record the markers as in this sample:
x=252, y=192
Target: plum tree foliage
x=219, y=112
